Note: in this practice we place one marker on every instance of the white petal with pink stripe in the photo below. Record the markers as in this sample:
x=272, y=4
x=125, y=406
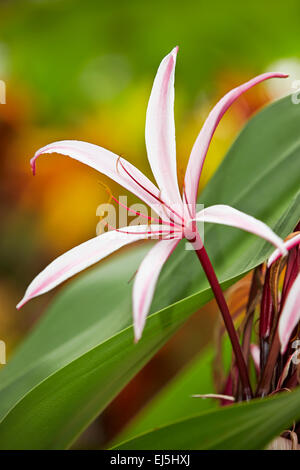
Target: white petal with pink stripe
x=87, y=254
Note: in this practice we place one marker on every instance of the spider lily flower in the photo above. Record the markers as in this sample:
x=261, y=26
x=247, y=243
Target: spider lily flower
x=176, y=212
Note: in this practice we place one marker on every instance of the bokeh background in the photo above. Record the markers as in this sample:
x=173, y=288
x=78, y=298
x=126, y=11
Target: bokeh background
x=84, y=70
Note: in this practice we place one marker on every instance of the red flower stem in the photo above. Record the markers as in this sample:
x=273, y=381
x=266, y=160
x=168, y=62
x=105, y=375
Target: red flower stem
x=217, y=290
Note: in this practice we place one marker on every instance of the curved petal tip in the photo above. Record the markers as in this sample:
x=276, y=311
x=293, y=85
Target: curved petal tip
x=22, y=303
x=281, y=75
x=32, y=164
x=137, y=335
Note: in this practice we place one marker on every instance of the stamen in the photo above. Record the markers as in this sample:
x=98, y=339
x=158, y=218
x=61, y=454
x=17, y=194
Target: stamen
x=164, y=209
x=149, y=192
x=107, y=189
x=133, y=211
x=150, y=232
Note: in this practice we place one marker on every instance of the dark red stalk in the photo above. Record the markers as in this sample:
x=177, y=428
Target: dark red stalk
x=293, y=381
x=266, y=309
x=250, y=309
x=229, y=386
x=266, y=379
x=217, y=290
x=265, y=320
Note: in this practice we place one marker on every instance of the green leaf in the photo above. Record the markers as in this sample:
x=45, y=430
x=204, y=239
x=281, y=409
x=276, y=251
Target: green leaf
x=81, y=354
x=174, y=401
x=245, y=426
x=62, y=397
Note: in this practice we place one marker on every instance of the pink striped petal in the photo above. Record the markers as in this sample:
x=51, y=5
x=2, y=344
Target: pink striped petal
x=109, y=164
x=145, y=282
x=290, y=315
x=160, y=130
x=226, y=215
x=202, y=142
x=85, y=255
x=289, y=244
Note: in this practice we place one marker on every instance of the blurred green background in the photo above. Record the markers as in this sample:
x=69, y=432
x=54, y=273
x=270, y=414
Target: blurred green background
x=84, y=70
